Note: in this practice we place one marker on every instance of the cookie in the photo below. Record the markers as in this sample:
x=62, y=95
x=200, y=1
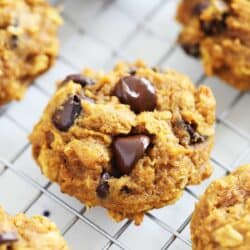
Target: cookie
x=37, y=233
x=28, y=44
x=221, y=220
x=129, y=140
x=218, y=32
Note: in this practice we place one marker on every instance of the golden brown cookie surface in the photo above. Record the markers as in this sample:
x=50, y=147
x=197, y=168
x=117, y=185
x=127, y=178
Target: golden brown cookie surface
x=219, y=32
x=129, y=140
x=37, y=233
x=221, y=220
x=28, y=44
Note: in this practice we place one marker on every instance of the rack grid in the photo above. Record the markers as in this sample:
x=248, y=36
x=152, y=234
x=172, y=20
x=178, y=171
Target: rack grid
x=97, y=33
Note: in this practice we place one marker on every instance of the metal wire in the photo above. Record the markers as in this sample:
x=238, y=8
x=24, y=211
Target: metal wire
x=79, y=215
x=59, y=201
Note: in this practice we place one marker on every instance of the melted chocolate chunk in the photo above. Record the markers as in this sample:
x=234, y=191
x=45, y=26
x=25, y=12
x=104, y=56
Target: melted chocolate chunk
x=187, y=133
x=195, y=137
x=192, y=49
x=137, y=92
x=65, y=115
x=214, y=26
x=102, y=189
x=128, y=150
x=8, y=238
x=200, y=7
x=80, y=79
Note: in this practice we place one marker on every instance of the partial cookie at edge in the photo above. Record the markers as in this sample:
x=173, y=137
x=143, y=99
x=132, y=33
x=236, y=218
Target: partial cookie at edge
x=29, y=44
x=219, y=33
x=221, y=220
x=37, y=233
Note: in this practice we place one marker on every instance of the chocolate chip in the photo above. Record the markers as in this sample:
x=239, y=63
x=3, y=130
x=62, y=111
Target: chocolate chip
x=80, y=79
x=192, y=49
x=115, y=171
x=8, y=238
x=187, y=133
x=195, y=137
x=128, y=150
x=65, y=115
x=214, y=26
x=103, y=190
x=137, y=92
x=200, y=7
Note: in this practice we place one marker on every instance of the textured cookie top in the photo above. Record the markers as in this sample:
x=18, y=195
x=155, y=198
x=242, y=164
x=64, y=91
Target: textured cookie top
x=222, y=217
x=218, y=18
x=128, y=140
x=28, y=44
x=219, y=32
x=36, y=233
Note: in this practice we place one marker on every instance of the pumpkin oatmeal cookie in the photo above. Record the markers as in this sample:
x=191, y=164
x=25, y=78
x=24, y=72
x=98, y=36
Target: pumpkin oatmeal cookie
x=221, y=220
x=28, y=44
x=36, y=233
x=218, y=32
x=129, y=140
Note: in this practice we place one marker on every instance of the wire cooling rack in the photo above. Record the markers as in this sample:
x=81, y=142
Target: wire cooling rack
x=97, y=33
